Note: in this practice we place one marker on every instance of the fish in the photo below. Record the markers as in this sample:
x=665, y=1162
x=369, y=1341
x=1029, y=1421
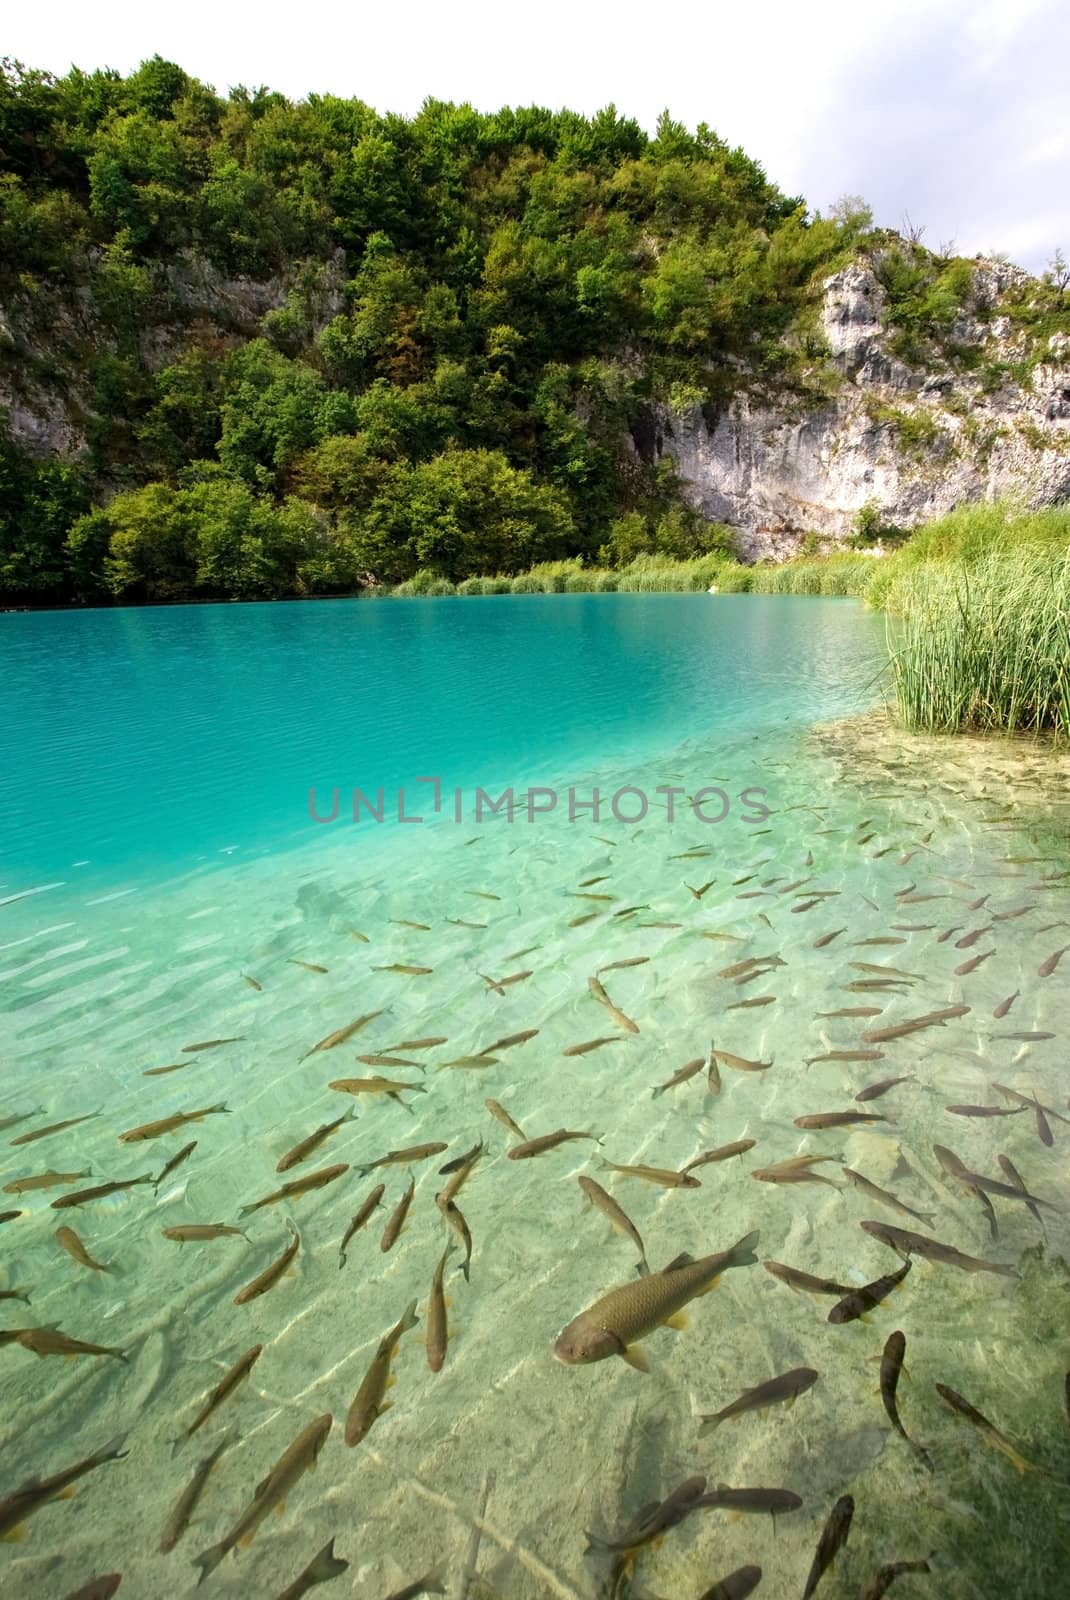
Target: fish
x=547, y=1141
x=975, y=1180
x=390, y=1061
x=312, y=1141
x=1015, y=1177
x=838, y=1119
x=698, y=893
x=419, y=1044
x=271, y=1274
x=618, y=1016
x=253, y=983
x=403, y=922
x=613, y=1325
x=297, y=1459
x=459, y=922
x=298, y=1187
x=430, y=1583
x=886, y=1197
x=740, y=969
x=1034, y=1037
x=509, y=1041
x=832, y=1540
x=360, y=1217
x=773, y=1501
x=886, y=1575
x=1030, y=1101
x=588, y=1045
x=796, y=1169
x=736, y=1585
x=885, y=972
x=405, y=970
x=52, y=1341
x=396, y=1220
x=586, y=916
x=160, y=1072
x=153, y=1130
x=874, y=1090
x=891, y=1366
x=436, y=1328
x=654, y=1519
x=309, y=966
x=847, y=1055
x=9, y=1216
x=900, y=1030
x=387, y=1086
x=827, y=938
x=54, y=1127
x=324, y=1566
x=176, y=1161
x=469, y=1158
x=210, y=1044
x=713, y=1072
x=723, y=1153
x=179, y=1520
x=44, y=1180
x=340, y=1035
x=869, y=1296
x=988, y=1431
x=853, y=1011
x=688, y=1070
x=20, y=1116
x=500, y=1114
x=919, y=1244
x=1048, y=966
x=201, y=1232
x=16, y=1507
x=755, y=1000
x=1016, y=911
x=454, y=1219
x=478, y=1061
x=67, y=1202
x=459, y=1172
x=984, y=1111
x=740, y=1063
x=15, y=1294
x=625, y=961
x=618, y=1218
x=368, y=1402
x=666, y=1177
x=69, y=1241
x=967, y=967
x=787, y=1386
x=226, y=1386
x=399, y=1158
x=971, y=938
x=98, y=1588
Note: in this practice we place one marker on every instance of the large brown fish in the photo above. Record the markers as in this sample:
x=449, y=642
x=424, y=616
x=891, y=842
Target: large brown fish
x=295, y=1461
x=615, y=1323
x=22, y=1503
x=368, y=1402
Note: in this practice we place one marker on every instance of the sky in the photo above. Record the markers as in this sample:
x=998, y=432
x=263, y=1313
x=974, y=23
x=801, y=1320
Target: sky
x=952, y=113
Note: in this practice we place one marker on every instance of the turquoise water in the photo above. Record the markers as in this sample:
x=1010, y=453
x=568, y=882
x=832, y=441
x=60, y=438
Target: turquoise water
x=163, y=887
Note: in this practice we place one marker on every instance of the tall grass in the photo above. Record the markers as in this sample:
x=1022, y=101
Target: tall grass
x=984, y=646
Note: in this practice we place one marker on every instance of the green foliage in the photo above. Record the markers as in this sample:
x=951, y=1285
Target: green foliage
x=38, y=503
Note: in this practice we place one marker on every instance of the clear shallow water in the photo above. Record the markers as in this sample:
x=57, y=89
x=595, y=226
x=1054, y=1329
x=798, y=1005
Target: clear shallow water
x=96, y=995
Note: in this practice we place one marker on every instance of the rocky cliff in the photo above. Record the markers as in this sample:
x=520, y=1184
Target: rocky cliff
x=976, y=420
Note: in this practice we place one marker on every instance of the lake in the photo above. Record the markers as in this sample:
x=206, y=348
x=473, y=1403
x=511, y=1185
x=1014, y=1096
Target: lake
x=777, y=893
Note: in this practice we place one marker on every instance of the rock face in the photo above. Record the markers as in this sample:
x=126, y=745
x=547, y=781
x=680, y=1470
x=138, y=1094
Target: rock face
x=912, y=442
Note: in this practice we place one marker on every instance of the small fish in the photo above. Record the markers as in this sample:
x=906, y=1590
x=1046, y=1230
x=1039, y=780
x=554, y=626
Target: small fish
x=989, y=1433
x=736, y=1585
x=253, y=983
x=655, y=1519
x=688, y=1070
x=772, y=1501
x=966, y=967
x=388, y=1086
x=885, y=972
x=796, y=1279
x=900, y=1030
x=200, y=1232
x=309, y=966
x=618, y=1218
x=797, y=1169
x=984, y=1111
x=68, y=1202
x=1015, y=1177
x=19, y=1116
x=55, y=1127
x=500, y=1114
x=919, y=1244
x=1047, y=967
x=179, y=1519
x=52, y=1341
x=98, y=1588
x=403, y=922
x=363, y=937
x=755, y=1000
x=847, y=1055
x=418, y=1044
x=891, y=1366
x=153, y=1130
x=340, y=1035
x=618, y=1016
x=368, y=1402
x=454, y=1219
x=885, y=1576
x=588, y=1045
x=459, y=1171
x=312, y=1141
x=176, y=1161
x=160, y=1072
x=68, y=1240
x=827, y=938
x=613, y=1325
x=509, y=1041
x=741, y=969
x=723, y=1153
x=401, y=1158
x=459, y=922
x=838, y=1119
x=210, y=1044
x=740, y=1063
x=886, y=1197
x=1034, y=1037
x=396, y=1220
x=271, y=1274
x=467, y=1062
x=853, y=1011
x=786, y=1387
x=875, y=1090
x=436, y=1326
x=359, y=1219
x=430, y=1583
x=299, y=1186
x=405, y=970
x=226, y=1386
x=390, y=1061
x=15, y=1294
x=1017, y=911
x=1029, y=1101
x=9, y=1216
x=547, y=1141
x=324, y=1566
x=625, y=961
x=38, y=1492
x=44, y=1180
x=869, y=1296
x=698, y=893
x=295, y=1461
x=832, y=1540
x=665, y=1177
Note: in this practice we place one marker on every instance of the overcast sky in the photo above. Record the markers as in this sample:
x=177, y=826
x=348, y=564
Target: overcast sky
x=954, y=111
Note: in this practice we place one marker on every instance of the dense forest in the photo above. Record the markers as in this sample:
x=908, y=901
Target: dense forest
x=304, y=346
